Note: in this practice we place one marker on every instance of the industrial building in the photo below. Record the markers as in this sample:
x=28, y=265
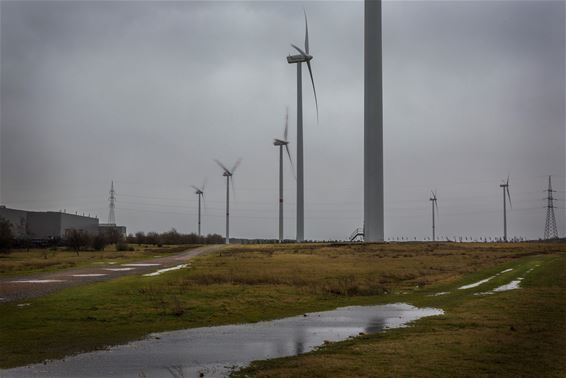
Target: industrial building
x=47, y=225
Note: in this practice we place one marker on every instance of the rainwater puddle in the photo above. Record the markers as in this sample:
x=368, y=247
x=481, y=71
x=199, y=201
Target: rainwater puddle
x=118, y=269
x=506, y=270
x=90, y=275
x=158, y=272
x=476, y=284
x=212, y=351
x=36, y=281
x=441, y=293
x=140, y=264
x=510, y=286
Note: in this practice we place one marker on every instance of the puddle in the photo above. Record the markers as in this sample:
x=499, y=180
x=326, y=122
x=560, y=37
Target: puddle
x=510, y=286
x=212, y=351
x=140, y=264
x=441, y=293
x=36, y=281
x=158, y=272
x=90, y=275
x=506, y=270
x=118, y=269
x=476, y=284
x=23, y=304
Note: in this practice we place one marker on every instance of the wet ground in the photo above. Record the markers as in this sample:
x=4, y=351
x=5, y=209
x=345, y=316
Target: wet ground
x=29, y=286
x=213, y=351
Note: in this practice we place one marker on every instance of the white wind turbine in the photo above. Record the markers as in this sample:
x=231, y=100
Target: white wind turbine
x=228, y=174
x=282, y=143
x=434, y=203
x=200, y=194
x=505, y=187
x=303, y=57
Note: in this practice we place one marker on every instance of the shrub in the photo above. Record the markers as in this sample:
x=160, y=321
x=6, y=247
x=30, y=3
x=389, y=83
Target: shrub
x=98, y=243
x=6, y=236
x=121, y=246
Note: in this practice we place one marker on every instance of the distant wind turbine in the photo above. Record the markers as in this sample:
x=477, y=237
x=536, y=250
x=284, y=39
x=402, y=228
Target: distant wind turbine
x=505, y=188
x=282, y=143
x=434, y=203
x=303, y=57
x=228, y=173
x=200, y=193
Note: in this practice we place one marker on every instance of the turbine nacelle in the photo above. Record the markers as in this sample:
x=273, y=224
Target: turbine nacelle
x=279, y=142
x=291, y=59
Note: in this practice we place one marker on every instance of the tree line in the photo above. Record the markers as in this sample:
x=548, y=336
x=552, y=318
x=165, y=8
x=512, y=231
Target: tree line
x=78, y=240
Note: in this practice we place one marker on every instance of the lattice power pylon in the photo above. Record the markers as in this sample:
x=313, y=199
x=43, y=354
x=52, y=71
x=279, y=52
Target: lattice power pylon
x=112, y=199
x=550, y=229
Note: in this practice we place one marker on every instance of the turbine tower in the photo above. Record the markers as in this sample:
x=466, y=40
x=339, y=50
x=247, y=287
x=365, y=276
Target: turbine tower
x=112, y=199
x=434, y=204
x=373, y=123
x=505, y=188
x=282, y=143
x=200, y=194
x=550, y=229
x=228, y=174
x=303, y=57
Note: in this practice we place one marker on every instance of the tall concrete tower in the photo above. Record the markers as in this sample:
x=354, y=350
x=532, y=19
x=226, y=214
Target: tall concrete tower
x=373, y=123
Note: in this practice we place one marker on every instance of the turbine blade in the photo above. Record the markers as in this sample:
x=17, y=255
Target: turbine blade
x=203, y=201
x=313, y=89
x=306, y=32
x=509, y=196
x=204, y=184
x=236, y=165
x=299, y=50
x=195, y=188
x=231, y=178
x=222, y=166
x=290, y=160
x=286, y=124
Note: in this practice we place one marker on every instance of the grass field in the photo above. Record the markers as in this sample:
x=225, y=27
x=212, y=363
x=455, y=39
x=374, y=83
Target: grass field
x=35, y=260
x=493, y=335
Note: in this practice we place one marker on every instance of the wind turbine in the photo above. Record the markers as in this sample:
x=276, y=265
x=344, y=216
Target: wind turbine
x=434, y=204
x=282, y=143
x=200, y=193
x=505, y=188
x=303, y=57
x=373, y=123
x=228, y=173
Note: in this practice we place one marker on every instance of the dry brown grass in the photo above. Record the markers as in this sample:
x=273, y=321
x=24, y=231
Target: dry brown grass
x=355, y=269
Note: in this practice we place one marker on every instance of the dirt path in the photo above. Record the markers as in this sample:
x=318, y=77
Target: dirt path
x=29, y=286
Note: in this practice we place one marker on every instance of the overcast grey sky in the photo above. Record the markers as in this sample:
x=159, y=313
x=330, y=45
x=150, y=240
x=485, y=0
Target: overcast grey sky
x=148, y=93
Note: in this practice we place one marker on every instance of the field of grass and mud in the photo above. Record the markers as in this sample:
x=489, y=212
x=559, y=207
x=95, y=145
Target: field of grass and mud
x=518, y=332
x=39, y=260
